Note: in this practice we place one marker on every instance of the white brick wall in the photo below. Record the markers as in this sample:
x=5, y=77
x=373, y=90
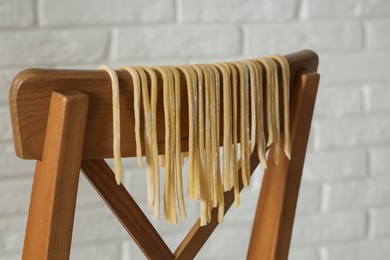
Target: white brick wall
x=344, y=205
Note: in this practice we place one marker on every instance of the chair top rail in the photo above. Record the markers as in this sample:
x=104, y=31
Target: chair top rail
x=31, y=90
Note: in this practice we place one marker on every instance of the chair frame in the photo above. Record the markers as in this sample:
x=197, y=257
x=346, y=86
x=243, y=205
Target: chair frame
x=58, y=116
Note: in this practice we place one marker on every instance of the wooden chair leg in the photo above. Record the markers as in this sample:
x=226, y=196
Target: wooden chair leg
x=272, y=227
x=53, y=198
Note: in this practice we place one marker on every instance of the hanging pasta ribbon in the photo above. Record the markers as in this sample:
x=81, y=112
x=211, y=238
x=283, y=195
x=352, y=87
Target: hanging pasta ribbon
x=154, y=152
x=285, y=68
x=116, y=123
x=241, y=85
x=137, y=100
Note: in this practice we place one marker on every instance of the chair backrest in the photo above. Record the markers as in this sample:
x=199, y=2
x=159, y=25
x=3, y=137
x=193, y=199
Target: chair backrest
x=30, y=102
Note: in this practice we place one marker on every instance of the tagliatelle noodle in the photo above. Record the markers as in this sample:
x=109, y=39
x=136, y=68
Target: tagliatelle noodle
x=269, y=99
x=226, y=84
x=276, y=116
x=116, y=123
x=260, y=137
x=285, y=68
x=208, y=150
x=137, y=100
x=154, y=153
x=221, y=199
x=178, y=163
x=168, y=135
x=203, y=189
x=193, y=184
x=147, y=136
x=253, y=93
x=244, y=124
x=234, y=166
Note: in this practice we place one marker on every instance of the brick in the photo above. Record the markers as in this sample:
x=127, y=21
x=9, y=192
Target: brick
x=309, y=198
x=378, y=34
x=377, y=97
x=381, y=225
x=12, y=165
x=26, y=48
x=361, y=250
x=319, y=36
x=328, y=227
x=12, y=234
x=379, y=159
x=6, y=128
x=338, y=101
x=10, y=257
x=16, y=13
x=100, y=12
x=189, y=40
x=330, y=9
x=334, y=165
x=101, y=251
x=304, y=254
x=6, y=76
x=231, y=10
x=15, y=196
x=354, y=67
x=96, y=224
x=351, y=132
x=376, y=8
x=358, y=194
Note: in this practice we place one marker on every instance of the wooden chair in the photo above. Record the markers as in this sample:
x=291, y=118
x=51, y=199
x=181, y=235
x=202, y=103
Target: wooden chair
x=63, y=119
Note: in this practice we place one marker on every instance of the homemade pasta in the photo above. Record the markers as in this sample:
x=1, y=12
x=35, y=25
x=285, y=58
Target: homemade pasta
x=226, y=108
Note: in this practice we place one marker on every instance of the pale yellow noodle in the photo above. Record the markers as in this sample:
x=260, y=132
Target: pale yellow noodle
x=208, y=152
x=116, y=123
x=253, y=112
x=234, y=167
x=244, y=124
x=168, y=135
x=137, y=100
x=179, y=177
x=147, y=135
x=192, y=114
x=260, y=136
x=226, y=124
x=221, y=202
x=156, y=172
x=276, y=116
x=285, y=68
x=203, y=189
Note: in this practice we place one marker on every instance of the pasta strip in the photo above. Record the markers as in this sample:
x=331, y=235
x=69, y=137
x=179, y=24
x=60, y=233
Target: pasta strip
x=244, y=124
x=203, y=188
x=147, y=135
x=269, y=99
x=276, y=116
x=178, y=163
x=193, y=185
x=154, y=152
x=208, y=134
x=167, y=78
x=253, y=90
x=234, y=166
x=221, y=202
x=116, y=123
x=226, y=124
x=137, y=100
x=261, y=146
x=285, y=68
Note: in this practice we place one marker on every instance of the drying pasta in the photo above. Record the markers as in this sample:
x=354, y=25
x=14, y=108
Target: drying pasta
x=225, y=104
x=116, y=123
x=285, y=68
x=154, y=152
x=137, y=100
